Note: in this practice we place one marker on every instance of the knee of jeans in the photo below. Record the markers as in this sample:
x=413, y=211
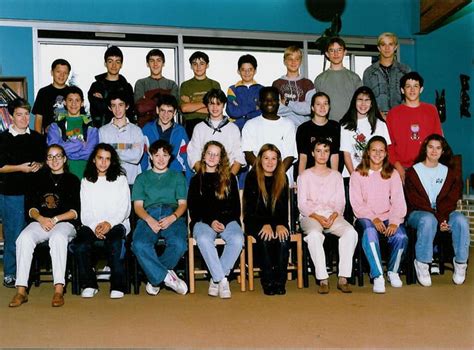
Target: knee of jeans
x=458, y=219
x=178, y=244
x=370, y=234
x=81, y=248
x=428, y=220
x=236, y=239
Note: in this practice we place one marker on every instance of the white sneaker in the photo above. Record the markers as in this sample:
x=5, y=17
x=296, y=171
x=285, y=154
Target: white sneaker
x=213, y=290
x=89, y=292
x=422, y=273
x=174, y=282
x=116, y=294
x=379, y=285
x=151, y=289
x=434, y=268
x=224, y=289
x=459, y=274
x=394, y=279
x=104, y=276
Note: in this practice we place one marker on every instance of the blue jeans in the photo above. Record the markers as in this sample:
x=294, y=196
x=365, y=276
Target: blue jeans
x=370, y=243
x=426, y=226
x=234, y=241
x=13, y=217
x=144, y=241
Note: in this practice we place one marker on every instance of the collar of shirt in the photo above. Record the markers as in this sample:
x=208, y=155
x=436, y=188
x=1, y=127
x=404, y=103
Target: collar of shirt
x=16, y=133
x=241, y=83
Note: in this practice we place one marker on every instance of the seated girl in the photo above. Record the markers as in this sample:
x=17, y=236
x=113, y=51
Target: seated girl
x=432, y=189
x=214, y=208
x=376, y=193
x=159, y=200
x=53, y=208
x=266, y=216
x=105, y=208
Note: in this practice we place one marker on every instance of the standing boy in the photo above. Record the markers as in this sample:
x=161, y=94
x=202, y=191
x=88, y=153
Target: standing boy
x=49, y=102
x=338, y=82
x=126, y=138
x=192, y=92
x=410, y=123
x=242, y=98
x=295, y=90
x=107, y=82
x=383, y=77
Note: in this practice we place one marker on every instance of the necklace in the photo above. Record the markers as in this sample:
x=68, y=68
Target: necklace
x=57, y=180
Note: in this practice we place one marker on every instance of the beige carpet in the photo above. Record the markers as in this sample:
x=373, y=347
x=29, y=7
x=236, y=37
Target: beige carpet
x=410, y=317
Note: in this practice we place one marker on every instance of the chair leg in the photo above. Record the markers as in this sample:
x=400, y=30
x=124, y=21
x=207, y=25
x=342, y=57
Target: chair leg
x=299, y=260
x=305, y=267
x=250, y=261
x=243, y=286
x=191, y=264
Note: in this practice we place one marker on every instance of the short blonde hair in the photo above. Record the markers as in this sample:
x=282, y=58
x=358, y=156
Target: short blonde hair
x=387, y=35
x=291, y=50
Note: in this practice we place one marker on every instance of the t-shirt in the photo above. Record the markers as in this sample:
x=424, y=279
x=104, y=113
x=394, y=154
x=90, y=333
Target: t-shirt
x=195, y=90
x=49, y=103
x=159, y=188
x=432, y=179
x=340, y=85
x=309, y=131
x=355, y=142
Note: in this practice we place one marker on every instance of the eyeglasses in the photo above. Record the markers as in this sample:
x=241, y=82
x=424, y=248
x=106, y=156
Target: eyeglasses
x=55, y=156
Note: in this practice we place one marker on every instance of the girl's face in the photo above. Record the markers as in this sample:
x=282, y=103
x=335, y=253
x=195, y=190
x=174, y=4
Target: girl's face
x=377, y=154
x=212, y=157
x=321, y=154
x=321, y=106
x=216, y=109
x=363, y=104
x=434, y=150
x=269, y=162
x=160, y=160
x=55, y=160
x=102, y=161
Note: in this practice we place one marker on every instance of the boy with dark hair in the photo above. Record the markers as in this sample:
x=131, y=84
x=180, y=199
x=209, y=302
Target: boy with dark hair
x=49, y=102
x=410, y=123
x=74, y=132
x=126, y=138
x=338, y=82
x=106, y=83
x=193, y=90
x=295, y=90
x=242, y=98
x=383, y=76
x=216, y=127
x=166, y=128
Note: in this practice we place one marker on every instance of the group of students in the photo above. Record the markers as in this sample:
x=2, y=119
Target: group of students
x=266, y=129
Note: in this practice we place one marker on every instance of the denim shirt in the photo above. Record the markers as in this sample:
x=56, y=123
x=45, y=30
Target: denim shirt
x=387, y=93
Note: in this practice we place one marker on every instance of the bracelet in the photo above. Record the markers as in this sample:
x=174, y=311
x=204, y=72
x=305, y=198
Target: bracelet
x=176, y=216
x=55, y=220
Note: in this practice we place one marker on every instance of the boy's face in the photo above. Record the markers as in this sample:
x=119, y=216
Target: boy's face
x=155, y=63
x=321, y=154
x=293, y=62
x=216, y=109
x=73, y=103
x=199, y=67
x=335, y=53
x=160, y=159
x=118, y=108
x=247, y=72
x=21, y=118
x=387, y=47
x=321, y=106
x=269, y=104
x=412, y=90
x=165, y=114
x=60, y=73
x=113, y=65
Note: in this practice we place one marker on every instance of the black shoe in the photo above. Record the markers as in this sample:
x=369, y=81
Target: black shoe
x=280, y=290
x=9, y=282
x=269, y=290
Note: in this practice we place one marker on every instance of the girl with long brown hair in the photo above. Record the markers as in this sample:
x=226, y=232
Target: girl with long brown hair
x=266, y=216
x=214, y=208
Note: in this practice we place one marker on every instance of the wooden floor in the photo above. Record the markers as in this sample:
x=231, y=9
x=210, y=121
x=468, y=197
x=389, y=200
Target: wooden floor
x=411, y=317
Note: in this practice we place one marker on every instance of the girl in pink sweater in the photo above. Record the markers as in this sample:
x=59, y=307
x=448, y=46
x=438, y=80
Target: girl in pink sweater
x=376, y=195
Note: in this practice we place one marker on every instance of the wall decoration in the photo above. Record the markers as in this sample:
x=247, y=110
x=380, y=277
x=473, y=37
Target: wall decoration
x=465, y=99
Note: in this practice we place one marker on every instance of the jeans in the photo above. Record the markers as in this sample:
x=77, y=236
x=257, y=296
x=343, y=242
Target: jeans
x=273, y=256
x=114, y=243
x=426, y=226
x=370, y=243
x=234, y=241
x=144, y=241
x=13, y=217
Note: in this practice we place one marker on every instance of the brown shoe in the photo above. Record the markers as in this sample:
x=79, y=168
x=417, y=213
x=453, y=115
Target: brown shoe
x=18, y=299
x=344, y=287
x=323, y=288
x=58, y=300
